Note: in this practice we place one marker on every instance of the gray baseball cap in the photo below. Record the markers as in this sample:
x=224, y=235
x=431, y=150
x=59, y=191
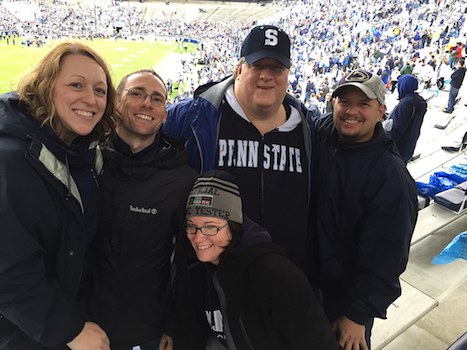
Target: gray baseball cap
x=370, y=84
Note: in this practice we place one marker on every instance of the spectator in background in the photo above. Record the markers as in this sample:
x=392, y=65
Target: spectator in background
x=443, y=72
x=457, y=78
x=328, y=103
x=49, y=200
x=407, y=117
x=407, y=68
x=456, y=54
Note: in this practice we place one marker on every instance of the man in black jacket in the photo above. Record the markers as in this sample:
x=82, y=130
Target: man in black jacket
x=457, y=77
x=145, y=185
x=364, y=209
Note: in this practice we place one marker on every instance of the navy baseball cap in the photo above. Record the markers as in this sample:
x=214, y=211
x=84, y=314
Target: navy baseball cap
x=266, y=41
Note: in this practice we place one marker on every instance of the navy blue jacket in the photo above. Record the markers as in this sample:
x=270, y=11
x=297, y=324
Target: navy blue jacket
x=266, y=299
x=407, y=116
x=457, y=77
x=43, y=239
x=365, y=209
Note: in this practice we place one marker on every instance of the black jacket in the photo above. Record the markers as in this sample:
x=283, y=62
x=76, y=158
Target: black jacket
x=457, y=77
x=144, y=207
x=365, y=209
x=407, y=117
x=268, y=303
x=42, y=239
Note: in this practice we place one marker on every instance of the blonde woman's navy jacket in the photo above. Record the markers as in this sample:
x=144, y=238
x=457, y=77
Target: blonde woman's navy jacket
x=267, y=301
x=365, y=209
x=42, y=240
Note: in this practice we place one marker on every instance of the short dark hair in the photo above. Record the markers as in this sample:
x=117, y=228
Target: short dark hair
x=122, y=83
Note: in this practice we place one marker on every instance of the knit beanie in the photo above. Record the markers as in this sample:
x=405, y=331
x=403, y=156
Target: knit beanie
x=215, y=193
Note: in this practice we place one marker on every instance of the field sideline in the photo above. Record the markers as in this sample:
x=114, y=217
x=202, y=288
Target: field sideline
x=123, y=57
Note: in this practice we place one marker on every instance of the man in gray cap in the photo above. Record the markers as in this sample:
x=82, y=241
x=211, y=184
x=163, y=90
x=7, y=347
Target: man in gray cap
x=364, y=209
x=251, y=127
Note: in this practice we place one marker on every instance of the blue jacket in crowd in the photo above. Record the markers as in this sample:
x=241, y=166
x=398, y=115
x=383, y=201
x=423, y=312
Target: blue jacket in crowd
x=407, y=116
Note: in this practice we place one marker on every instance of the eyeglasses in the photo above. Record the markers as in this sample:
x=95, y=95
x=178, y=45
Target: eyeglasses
x=208, y=230
x=141, y=95
x=274, y=68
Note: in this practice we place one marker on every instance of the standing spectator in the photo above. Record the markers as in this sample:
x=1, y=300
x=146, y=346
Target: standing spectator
x=243, y=293
x=364, y=209
x=395, y=74
x=49, y=201
x=407, y=117
x=456, y=54
x=443, y=72
x=248, y=125
x=313, y=107
x=457, y=77
x=407, y=68
x=309, y=89
x=328, y=103
x=145, y=184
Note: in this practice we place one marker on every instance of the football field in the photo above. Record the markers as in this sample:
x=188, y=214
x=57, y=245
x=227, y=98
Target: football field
x=123, y=57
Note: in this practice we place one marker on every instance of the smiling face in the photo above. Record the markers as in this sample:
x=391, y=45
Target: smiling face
x=142, y=105
x=355, y=115
x=261, y=87
x=79, y=96
x=209, y=248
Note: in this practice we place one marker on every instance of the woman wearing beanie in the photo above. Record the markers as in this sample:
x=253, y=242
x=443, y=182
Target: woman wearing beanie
x=239, y=291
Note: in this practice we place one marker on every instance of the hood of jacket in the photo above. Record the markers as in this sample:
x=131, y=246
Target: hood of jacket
x=11, y=126
x=407, y=84
x=45, y=146
x=255, y=243
x=214, y=93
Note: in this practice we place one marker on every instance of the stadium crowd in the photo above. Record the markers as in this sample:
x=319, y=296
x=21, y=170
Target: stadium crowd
x=328, y=38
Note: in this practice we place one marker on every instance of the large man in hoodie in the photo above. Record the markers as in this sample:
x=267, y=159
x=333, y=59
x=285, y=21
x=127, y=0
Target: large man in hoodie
x=407, y=116
x=145, y=183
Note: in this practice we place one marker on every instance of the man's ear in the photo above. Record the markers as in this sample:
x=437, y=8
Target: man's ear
x=239, y=69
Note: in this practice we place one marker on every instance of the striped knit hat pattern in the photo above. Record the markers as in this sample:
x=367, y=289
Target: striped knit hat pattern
x=215, y=194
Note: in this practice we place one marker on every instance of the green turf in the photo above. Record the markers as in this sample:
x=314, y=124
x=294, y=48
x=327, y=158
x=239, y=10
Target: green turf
x=123, y=57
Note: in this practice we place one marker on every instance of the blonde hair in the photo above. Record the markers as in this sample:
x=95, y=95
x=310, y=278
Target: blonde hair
x=35, y=89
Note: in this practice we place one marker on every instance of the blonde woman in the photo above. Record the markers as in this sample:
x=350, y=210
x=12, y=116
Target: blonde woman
x=49, y=202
